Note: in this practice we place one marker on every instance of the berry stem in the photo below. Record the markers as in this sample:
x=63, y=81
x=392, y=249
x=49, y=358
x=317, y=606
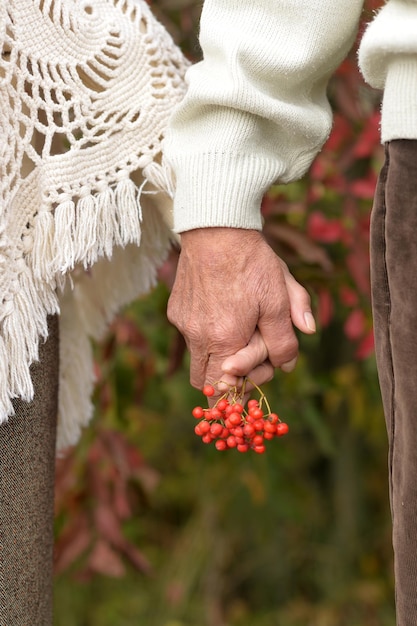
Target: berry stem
x=262, y=396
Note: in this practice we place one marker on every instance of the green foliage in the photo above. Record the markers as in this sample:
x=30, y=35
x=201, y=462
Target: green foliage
x=153, y=527
x=227, y=538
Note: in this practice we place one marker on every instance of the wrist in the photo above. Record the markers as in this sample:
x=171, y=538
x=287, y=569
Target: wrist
x=219, y=236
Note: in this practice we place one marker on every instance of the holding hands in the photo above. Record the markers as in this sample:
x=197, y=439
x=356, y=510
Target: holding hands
x=236, y=304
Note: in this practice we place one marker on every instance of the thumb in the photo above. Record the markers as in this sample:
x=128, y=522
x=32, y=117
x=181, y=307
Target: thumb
x=300, y=304
x=246, y=359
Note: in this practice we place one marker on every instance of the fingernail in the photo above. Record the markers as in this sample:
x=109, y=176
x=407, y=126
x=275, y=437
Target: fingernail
x=288, y=367
x=310, y=321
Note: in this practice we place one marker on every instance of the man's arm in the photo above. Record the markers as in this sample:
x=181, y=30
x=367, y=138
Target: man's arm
x=388, y=61
x=256, y=112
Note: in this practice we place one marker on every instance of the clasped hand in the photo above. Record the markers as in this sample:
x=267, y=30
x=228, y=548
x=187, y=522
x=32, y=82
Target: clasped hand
x=236, y=304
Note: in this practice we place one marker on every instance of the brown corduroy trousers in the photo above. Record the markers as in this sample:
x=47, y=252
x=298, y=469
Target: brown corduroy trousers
x=394, y=297
x=27, y=463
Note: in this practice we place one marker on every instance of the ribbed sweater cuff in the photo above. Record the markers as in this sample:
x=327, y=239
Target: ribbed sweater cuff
x=221, y=190
x=399, y=108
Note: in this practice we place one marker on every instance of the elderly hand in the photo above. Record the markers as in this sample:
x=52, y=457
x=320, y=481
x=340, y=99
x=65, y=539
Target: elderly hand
x=235, y=302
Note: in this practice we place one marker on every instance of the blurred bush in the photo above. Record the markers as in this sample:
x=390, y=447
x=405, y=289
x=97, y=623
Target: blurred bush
x=153, y=527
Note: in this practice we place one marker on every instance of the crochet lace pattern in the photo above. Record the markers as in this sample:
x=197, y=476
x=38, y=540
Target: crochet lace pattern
x=86, y=91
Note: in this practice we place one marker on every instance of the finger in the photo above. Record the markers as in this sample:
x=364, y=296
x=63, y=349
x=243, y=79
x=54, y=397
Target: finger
x=279, y=337
x=215, y=375
x=300, y=304
x=246, y=359
x=289, y=366
x=198, y=367
x=261, y=374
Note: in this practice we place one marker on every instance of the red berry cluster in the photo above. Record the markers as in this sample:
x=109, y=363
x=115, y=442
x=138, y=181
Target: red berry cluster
x=230, y=425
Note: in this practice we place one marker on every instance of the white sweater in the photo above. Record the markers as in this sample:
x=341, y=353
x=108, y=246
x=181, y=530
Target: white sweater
x=256, y=110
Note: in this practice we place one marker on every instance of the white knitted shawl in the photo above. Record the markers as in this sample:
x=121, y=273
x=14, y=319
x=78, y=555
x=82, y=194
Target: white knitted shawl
x=86, y=90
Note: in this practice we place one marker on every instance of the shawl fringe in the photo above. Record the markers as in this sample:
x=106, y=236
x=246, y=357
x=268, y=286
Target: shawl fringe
x=90, y=257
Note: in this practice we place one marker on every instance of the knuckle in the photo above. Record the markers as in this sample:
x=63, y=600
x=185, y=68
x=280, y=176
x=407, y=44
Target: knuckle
x=268, y=372
x=172, y=314
x=287, y=351
x=226, y=336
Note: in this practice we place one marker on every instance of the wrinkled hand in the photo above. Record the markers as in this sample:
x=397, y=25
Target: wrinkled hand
x=235, y=302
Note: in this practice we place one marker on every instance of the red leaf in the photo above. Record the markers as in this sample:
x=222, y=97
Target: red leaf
x=348, y=296
x=358, y=264
x=322, y=229
x=364, y=187
x=366, y=346
x=108, y=525
x=325, y=307
x=318, y=169
x=355, y=324
x=369, y=138
x=71, y=544
x=341, y=132
x=104, y=560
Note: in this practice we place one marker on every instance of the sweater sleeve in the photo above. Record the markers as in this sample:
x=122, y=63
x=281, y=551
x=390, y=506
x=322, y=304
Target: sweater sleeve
x=256, y=110
x=388, y=61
